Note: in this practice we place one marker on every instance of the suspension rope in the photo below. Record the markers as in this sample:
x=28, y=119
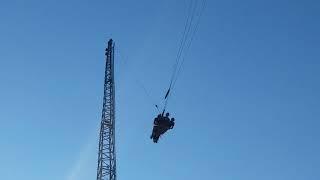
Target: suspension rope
x=190, y=28
x=190, y=42
x=182, y=41
x=185, y=43
x=148, y=95
x=124, y=61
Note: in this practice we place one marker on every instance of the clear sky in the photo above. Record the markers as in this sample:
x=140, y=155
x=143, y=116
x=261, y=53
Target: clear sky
x=247, y=102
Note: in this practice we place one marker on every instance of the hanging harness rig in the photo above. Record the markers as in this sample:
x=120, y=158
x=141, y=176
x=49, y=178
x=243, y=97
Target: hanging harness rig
x=161, y=124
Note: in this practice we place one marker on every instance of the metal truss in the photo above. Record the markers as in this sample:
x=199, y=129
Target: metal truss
x=107, y=155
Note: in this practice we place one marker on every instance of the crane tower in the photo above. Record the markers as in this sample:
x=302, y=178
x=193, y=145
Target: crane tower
x=107, y=155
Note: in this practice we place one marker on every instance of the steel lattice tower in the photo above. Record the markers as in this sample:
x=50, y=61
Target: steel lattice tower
x=107, y=155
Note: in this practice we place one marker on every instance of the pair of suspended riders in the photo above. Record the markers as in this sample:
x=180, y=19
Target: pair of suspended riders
x=161, y=124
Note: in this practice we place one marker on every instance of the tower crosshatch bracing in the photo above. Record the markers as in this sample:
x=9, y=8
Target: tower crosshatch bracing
x=107, y=154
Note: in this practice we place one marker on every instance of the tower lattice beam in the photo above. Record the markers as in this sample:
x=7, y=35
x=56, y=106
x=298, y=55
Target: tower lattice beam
x=107, y=155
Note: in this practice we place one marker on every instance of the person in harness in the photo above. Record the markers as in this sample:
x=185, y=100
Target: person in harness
x=161, y=125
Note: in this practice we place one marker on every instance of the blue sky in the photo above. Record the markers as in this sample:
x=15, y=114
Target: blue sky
x=246, y=103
